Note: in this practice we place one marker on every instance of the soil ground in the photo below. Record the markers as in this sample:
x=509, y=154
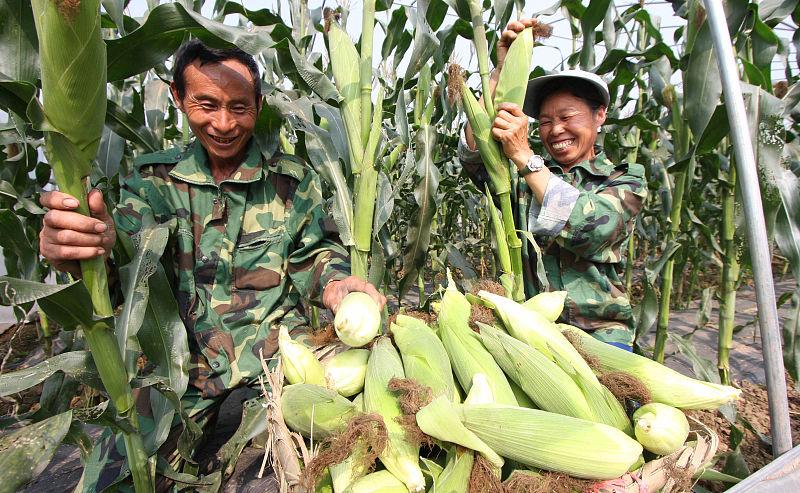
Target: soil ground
x=64, y=471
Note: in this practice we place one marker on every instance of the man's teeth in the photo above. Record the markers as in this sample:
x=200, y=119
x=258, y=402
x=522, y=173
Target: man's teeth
x=563, y=144
x=223, y=140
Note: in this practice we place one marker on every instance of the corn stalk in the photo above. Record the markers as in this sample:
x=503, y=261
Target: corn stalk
x=353, y=77
x=681, y=139
x=73, y=66
x=730, y=274
x=511, y=88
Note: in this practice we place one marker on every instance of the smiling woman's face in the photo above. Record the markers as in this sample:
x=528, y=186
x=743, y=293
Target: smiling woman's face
x=568, y=128
x=220, y=105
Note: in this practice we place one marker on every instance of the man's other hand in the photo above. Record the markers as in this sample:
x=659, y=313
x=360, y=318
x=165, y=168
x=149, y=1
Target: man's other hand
x=335, y=291
x=68, y=236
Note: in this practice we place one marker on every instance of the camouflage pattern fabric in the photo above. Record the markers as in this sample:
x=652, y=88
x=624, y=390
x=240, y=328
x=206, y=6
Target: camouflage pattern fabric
x=582, y=228
x=243, y=253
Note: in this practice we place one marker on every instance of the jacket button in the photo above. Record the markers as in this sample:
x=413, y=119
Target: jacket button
x=215, y=365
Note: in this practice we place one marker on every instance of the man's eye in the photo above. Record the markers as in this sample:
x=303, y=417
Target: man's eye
x=239, y=110
x=208, y=106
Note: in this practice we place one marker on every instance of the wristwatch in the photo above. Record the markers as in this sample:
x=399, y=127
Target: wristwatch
x=535, y=163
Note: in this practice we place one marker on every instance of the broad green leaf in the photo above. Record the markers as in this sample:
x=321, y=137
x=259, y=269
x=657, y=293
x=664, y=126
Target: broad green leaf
x=14, y=240
x=419, y=228
x=591, y=18
x=774, y=11
x=166, y=27
x=764, y=114
x=127, y=126
x=26, y=452
x=645, y=313
x=425, y=45
x=325, y=159
x=67, y=304
x=401, y=117
x=77, y=364
x=163, y=340
x=703, y=368
x=435, y=12
x=19, y=59
x=109, y=154
x=292, y=61
x=156, y=103
x=502, y=11
x=702, y=84
x=151, y=241
x=394, y=31
x=114, y=9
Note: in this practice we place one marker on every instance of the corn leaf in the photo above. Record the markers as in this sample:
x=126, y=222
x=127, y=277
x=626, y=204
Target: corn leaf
x=26, y=452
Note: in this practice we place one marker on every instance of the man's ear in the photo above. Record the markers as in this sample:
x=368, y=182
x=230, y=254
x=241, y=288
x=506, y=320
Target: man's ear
x=178, y=101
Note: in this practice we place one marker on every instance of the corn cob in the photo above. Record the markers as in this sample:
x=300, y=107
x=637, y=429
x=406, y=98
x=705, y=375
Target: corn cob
x=666, y=385
x=550, y=388
x=467, y=354
x=551, y=441
x=400, y=457
x=541, y=334
x=440, y=420
x=299, y=363
x=424, y=357
x=315, y=412
x=378, y=482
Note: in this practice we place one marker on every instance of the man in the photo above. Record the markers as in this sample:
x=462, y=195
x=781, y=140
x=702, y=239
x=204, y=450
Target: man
x=249, y=237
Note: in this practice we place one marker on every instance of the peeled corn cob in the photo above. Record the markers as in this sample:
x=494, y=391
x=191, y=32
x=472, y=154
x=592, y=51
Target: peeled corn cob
x=299, y=363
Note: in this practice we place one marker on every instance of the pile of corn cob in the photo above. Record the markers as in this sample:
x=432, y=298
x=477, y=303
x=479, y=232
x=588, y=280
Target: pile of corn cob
x=514, y=396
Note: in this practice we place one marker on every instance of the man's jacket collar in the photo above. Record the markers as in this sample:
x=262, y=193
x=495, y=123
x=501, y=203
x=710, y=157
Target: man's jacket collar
x=193, y=166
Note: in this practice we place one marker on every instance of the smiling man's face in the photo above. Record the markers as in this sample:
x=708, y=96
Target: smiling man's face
x=220, y=104
x=568, y=128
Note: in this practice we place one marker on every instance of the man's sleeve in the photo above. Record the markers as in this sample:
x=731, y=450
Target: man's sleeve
x=592, y=224
x=319, y=256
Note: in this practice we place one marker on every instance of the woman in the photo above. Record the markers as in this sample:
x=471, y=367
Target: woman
x=582, y=205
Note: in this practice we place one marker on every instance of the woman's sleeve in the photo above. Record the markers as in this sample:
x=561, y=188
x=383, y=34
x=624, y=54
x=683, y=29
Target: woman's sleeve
x=592, y=223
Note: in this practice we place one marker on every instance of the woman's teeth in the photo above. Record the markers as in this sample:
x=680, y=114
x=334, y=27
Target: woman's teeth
x=563, y=144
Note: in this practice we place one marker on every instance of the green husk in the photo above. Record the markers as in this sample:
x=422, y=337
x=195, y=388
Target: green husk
x=315, y=412
x=400, y=457
x=665, y=384
x=424, y=357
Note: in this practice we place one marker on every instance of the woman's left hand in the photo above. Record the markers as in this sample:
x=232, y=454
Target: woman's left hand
x=510, y=128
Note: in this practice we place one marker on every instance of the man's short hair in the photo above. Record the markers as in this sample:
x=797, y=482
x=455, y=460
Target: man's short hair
x=195, y=50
